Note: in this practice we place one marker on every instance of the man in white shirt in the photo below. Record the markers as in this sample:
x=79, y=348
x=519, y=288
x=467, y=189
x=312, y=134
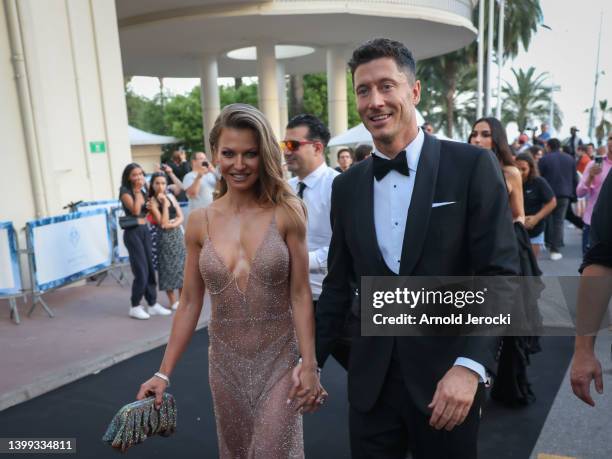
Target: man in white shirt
x=199, y=184
x=304, y=148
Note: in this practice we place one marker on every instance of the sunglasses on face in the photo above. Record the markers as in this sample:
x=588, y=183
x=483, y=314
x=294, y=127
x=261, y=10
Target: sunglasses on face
x=294, y=145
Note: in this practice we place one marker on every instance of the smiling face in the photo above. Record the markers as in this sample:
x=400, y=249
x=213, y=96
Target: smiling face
x=238, y=157
x=386, y=100
x=481, y=135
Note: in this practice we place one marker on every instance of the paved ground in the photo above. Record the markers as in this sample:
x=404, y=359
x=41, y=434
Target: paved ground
x=91, y=332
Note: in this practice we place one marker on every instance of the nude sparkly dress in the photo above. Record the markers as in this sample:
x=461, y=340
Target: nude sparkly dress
x=252, y=351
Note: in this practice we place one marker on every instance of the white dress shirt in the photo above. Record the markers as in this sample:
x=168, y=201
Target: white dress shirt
x=317, y=198
x=392, y=196
x=205, y=193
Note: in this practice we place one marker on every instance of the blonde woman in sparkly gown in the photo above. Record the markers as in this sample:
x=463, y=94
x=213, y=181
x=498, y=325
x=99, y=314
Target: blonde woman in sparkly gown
x=248, y=249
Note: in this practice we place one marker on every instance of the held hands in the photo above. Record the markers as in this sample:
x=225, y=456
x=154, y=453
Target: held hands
x=586, y=368
x=453, y=398
x=306, y=392
x=154, y=386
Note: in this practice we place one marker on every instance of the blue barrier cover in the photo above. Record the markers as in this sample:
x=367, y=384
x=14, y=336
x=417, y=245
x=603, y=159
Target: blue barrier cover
x=8, y=288
x=69, y=247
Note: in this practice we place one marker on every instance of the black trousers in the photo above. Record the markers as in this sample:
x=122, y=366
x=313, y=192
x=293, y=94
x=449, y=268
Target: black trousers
x=342, y=347
x=395, y=426
x=137, y=241
x=574, y=219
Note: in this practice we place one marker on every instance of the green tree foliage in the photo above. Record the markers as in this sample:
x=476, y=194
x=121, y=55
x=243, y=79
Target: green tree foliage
x=315, y=98
x=446, y=76
x=181, y=115
x=528, y=100
x=244, y=94
x=604, y=126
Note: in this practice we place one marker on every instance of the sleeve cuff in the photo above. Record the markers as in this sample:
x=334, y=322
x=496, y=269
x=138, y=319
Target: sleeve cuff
x=475, y=367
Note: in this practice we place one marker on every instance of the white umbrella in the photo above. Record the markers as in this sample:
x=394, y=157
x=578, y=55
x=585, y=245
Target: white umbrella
x=359, y=134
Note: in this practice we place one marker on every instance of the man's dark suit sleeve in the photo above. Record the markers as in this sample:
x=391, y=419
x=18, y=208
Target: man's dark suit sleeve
x=335, y=299
x=492, y=242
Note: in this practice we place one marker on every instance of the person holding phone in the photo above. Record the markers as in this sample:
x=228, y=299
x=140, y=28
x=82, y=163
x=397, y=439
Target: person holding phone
x=137, y=239
x=199, y=184
x=167, y=213
x=590, y=185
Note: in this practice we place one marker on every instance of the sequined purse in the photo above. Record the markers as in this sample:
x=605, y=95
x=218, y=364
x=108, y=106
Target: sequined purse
x=137, y=421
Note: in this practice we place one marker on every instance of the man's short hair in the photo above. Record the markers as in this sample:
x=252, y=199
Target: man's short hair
x=383, y=47
x=347, y=149
x=316, y=129
x=554, y=144
x=362, y=152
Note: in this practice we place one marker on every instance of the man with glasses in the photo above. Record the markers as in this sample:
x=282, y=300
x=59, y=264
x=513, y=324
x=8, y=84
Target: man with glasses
x=304, y=148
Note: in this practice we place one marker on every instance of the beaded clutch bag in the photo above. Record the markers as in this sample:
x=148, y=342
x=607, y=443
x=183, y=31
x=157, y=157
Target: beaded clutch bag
x=138, y=420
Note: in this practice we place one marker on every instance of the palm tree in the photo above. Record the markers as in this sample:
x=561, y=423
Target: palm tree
x=520, y=24
x=604, y=125
x=528, y=100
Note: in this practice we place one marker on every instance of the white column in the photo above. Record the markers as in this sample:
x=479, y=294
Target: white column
x=481, y=11
x=211, y=105
x=268, y=85
x=488, y=106
x=500, y=58
x=282, y=95
x=337, y=110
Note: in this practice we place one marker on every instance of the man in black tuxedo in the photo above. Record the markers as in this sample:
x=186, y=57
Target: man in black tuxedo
x=418, y=207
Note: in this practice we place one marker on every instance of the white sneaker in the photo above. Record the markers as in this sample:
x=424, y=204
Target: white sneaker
x=555, y=256
x=175, y=306
x=139, y=312
x=158, y=310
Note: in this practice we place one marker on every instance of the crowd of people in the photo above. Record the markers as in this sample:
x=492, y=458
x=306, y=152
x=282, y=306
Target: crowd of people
x=274, y=253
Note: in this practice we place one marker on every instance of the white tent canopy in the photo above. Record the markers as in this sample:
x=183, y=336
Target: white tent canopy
x=359, y=134
x=139, y=137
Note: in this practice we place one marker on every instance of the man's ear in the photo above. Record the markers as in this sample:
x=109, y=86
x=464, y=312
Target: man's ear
x=416, y=92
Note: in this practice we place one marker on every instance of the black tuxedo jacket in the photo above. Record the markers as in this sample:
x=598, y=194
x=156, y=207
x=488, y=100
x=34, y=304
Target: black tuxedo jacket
x=473, y=236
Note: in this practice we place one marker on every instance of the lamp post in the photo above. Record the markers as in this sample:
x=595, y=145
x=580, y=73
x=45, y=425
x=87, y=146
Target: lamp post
x=593, y=107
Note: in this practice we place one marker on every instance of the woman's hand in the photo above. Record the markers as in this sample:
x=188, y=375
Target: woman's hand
x=165, y=202
x=307, y=391
x=154, y=386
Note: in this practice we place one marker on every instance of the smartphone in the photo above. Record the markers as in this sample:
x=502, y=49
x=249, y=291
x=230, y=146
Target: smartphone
x=599, y=160
x=205, y=163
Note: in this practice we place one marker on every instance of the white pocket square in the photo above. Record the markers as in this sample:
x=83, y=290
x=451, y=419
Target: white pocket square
x=440, y=204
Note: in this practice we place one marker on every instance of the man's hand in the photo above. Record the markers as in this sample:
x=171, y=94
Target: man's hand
x=199, y=169
x=595, y=170
x=453, y=398
x=585, y=368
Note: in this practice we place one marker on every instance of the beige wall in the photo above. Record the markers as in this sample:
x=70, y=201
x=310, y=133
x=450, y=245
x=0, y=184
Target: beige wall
x=16, y=196
x=75, y=83
x=148, y=156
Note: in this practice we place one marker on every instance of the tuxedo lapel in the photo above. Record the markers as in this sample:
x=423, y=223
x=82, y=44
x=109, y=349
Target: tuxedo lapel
x=420, y=204
x=367, y=228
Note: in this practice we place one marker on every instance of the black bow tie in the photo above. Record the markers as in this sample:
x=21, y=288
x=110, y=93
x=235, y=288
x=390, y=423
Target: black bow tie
x=383, y=166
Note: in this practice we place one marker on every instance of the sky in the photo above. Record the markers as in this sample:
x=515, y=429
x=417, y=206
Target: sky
x=567, y=52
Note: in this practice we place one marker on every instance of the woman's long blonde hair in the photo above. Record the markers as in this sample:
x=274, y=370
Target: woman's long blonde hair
x=271, y=188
